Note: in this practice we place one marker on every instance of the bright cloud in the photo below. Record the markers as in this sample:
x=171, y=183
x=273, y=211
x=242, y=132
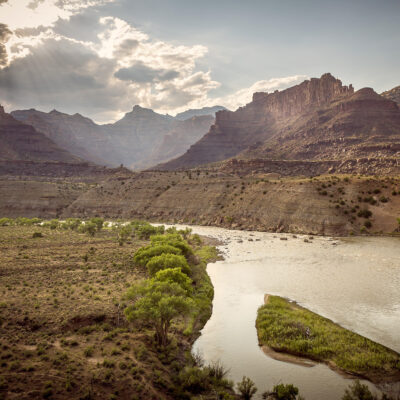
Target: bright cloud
x=244, y=96
x=106, y=74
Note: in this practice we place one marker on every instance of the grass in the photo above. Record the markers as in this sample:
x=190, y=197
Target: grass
x=61, y=319
x=286, y=327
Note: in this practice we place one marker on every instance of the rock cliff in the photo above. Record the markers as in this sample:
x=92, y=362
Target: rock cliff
x=19, y=141
x=393, y=94
x=260, y=120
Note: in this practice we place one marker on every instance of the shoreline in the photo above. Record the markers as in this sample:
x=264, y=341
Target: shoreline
x=306, y=361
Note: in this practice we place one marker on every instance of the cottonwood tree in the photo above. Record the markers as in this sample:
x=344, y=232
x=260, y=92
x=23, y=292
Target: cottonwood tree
x=159, y=300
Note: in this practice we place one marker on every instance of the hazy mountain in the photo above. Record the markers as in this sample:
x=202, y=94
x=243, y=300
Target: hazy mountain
x=198, y=112
x=140, y=139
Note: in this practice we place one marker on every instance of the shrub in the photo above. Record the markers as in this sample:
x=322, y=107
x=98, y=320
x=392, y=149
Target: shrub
x=282, y=392
x=143, y=230
x=6, y=221
x=358, y=391
x=194, y=379
x=364, y=213
x=98, y=222
x=145, y=254
x=247, y=388
x=164, y=261
x=88, y=227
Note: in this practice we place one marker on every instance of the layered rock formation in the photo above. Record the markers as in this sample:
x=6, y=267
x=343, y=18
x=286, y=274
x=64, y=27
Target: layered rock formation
x=75, y=133
x=19, y=141
x=140, y=139
x=256, y=201
x=319, y=119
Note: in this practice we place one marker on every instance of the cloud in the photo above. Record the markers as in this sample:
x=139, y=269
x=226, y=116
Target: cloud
x=142, y=73
x=244, y=96
x=76, y=60
x=4, y=35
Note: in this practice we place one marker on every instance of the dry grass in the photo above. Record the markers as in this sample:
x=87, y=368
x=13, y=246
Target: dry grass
x=63, y=331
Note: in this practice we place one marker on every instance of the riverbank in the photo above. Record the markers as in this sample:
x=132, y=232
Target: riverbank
x=342, y=205
x=288, y=328
x=64, y=333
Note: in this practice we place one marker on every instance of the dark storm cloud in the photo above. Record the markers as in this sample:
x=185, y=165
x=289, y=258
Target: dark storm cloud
x=141, y=73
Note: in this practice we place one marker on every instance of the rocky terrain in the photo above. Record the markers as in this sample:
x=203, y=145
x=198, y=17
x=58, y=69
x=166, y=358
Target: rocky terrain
x=140, y=139
x=392, y=94
x=329, y=205
x=319, y=119
x=22, y=142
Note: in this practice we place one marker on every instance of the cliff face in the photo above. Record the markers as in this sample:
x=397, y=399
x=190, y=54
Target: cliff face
x=22, y=142
x=362, y=124
x=75, y=133
x=140, y=139
x=260, y=120
x=393, y=94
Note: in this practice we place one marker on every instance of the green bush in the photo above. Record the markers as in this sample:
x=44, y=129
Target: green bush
x=165, y=261
x=246, y=388
x=283, y=392
x=98, y=222
x=175, y=240
x=143, y=230
x=145, y=254
x=6, y=221
x=88, y=227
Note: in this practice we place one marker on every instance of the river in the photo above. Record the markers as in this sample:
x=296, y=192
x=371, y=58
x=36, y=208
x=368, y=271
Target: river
x=354, y=282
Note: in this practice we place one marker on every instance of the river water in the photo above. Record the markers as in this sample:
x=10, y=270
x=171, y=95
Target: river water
x=354, y=282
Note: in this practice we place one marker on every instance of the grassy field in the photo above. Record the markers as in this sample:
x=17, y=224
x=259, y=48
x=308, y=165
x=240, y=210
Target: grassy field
x=286, y=327
x=63, y=330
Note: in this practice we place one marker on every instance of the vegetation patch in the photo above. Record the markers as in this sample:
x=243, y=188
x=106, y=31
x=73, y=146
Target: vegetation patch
x=286, y=327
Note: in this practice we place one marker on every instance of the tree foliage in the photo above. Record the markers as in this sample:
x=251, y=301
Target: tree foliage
x=158, y=301
x=165, y=261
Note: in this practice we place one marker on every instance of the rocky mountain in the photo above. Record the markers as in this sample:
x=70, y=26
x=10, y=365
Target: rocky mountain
x=140, y=139
x=315, y=120
x=393, y=94
x=177, y=140
x=19, y=141
x=75, y=133
x=198, y=112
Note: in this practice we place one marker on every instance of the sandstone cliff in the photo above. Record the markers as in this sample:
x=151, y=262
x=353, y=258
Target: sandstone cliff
x=260, y=120
x=320, y=119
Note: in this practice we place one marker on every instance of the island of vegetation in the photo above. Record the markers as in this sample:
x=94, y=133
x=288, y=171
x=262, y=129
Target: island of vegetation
x=285, y=327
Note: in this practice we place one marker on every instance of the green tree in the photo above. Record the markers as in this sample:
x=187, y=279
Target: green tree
x=247, y=388
x=98, y=222
x=158, y=302
x=124, y=233
x=165, y=261
x=145, y=254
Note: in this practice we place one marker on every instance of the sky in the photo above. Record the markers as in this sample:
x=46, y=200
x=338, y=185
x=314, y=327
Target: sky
x=101, y=57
